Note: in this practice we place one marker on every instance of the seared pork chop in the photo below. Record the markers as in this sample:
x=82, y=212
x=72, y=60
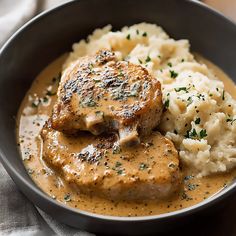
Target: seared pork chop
x=97, y=164
x=99, y=93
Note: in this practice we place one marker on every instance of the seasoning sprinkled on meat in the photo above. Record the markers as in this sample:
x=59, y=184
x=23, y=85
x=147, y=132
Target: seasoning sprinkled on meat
x=99, y=93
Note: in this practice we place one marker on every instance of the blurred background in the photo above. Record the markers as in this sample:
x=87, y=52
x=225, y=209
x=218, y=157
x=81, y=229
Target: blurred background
x=14, y=13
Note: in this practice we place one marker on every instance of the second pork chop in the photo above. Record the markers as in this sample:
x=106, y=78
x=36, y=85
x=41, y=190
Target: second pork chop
x=97, y=165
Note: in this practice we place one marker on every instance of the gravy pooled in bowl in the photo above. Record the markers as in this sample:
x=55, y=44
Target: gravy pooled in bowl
x=103, y=186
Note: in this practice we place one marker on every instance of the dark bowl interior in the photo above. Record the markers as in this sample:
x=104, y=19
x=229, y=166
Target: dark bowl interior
x=49, y=35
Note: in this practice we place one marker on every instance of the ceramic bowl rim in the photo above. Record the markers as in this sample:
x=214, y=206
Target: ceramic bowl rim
x=33, y=187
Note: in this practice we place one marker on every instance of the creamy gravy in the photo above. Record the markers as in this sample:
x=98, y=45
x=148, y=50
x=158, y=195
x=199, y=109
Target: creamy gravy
x=35, y=110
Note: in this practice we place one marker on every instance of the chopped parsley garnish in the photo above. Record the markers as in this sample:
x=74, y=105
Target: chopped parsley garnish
x=148, y=59
x=169, y=64
x=140, y=61
x=45, y=99
x=67, y=197
x=182, y=60
x=188, y=177
x=192, y=187
x=223, y=95
x=173, y=74
x=193, y=133
x=128, y=37
x=120, y=172
x=34, y=104
x=137, y=31
x=167, y=103
x=143, y=166
x=230, y=120
x=197, y=121
x=203, y=133
x=181, y=89
x=118, y=164
x=145, y=34
x=190, y=100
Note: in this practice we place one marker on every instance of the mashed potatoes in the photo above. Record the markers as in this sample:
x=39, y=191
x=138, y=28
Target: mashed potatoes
x=200, y=116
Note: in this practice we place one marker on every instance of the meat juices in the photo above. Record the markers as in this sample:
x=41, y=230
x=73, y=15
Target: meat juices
x=101, y=94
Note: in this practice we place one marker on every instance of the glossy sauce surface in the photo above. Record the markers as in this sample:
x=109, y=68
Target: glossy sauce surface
x=35, y=110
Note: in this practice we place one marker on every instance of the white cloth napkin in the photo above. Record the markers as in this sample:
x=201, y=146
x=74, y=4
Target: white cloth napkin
x=18, y=217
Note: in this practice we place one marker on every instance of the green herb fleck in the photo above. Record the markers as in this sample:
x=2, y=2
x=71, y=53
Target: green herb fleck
x=128, y=37
x=118, y=164
x=137, y=31
x=173, y=74
x=120, y=172
x=140, y=61
x=181, y=89
x=203, y=133
x=148, y=59
x=35, y=103
x=197, y=121
x=143, y=166
x=145, y=34
x=45, y=99
x=188, y=177
x=191, y=133
x=231, y=120
x=192, y=187
x=167, y=103
x=67, y=197
x=169, y=64
x=223, y=95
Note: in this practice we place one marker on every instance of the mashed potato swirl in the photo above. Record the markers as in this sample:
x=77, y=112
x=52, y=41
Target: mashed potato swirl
x=200, y=116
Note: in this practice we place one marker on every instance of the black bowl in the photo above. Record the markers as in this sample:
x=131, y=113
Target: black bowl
x=52, y=33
